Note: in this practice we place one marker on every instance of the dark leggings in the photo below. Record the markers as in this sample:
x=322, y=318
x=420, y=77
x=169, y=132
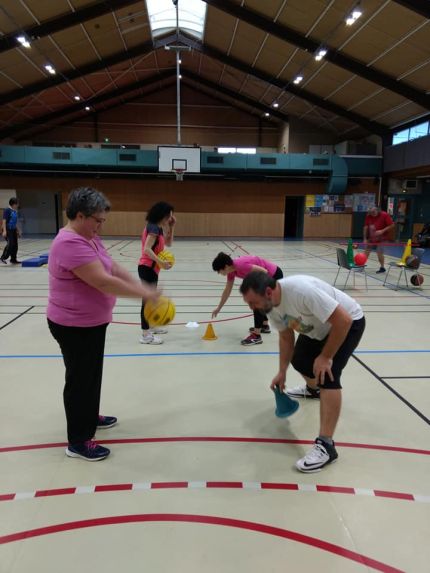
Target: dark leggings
x=11, y=248
x=259, y=317
x=149, y=276
x=83, y=351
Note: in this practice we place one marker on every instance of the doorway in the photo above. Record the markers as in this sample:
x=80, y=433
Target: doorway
x=293, y=217
x=402, y=215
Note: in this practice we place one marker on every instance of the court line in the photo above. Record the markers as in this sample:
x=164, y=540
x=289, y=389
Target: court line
x=393, y=391
x=229, y=439
x=402, y=377
x=206, y=520
x=231, y=353
x=16, y=317
x=208, y=484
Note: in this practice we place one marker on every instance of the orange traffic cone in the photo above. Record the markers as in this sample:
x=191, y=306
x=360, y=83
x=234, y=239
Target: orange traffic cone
x=210, y=333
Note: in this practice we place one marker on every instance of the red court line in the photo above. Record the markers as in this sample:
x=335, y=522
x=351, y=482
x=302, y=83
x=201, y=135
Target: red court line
x=297, y=487
x=53, y=492
x=183, y=323
x=233, y=439
x=394, y=494
x=113, y=487
x=205, y=520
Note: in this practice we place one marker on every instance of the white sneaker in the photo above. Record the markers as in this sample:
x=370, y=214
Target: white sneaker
x=318, y=457
x=159, y=330
x=303, y=391
x=150, y=339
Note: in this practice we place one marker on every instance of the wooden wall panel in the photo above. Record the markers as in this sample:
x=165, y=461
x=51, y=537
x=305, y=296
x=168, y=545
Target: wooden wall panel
x=327, y=225
x=120, y=223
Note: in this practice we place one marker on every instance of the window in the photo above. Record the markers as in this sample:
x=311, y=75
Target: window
x=420, y=130
x=162, y=16
x=401, y=137
x=247, y=150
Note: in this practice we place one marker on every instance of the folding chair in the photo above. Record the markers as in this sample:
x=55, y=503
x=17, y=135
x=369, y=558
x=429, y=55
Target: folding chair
x=404, y=270
x=342, y=261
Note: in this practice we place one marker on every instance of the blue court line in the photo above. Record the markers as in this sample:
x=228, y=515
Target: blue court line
x=160, y=354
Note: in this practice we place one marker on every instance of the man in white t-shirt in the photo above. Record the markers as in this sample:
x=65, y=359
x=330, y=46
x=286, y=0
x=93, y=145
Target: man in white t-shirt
x=330, y=325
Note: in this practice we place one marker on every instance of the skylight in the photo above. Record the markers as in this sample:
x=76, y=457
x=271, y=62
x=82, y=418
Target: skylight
x=162, y=16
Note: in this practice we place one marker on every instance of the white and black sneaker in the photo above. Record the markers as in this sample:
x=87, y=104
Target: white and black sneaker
x=303, y=391
x=318, y=457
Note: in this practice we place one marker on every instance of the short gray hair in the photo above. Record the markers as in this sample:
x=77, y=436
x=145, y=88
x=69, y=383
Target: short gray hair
x=86, y=200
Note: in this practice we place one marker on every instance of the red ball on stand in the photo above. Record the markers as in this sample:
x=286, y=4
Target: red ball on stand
x=360, y=259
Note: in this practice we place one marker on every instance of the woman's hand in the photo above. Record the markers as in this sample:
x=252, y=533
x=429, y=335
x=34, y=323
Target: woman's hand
x=172, y=220
x=164, y=264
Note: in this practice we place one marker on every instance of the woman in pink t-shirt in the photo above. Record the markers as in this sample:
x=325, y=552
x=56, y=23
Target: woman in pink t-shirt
x=157, y=233
x=83, y=284
x=240, y=267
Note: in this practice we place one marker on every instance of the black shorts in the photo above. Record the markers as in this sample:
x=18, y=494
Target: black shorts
x=307, y=349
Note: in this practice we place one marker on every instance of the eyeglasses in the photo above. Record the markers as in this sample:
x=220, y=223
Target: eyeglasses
x=99, y=220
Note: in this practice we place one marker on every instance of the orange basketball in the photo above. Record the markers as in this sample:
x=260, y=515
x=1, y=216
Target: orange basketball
x=159, y=312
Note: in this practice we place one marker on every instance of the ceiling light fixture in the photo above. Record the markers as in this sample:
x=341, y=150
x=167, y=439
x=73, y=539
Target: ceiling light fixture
x=267, y=114
x=87, y=108
x=77, y=98
x=275, y=104
x=24, y=41
x=298, y=79
x=320, y=54
x=50, y=69
x=354, y=16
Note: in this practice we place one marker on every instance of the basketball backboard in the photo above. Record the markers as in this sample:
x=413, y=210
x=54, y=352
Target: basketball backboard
x=173, y=157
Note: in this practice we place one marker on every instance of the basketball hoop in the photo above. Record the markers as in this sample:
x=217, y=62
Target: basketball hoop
x=179, y=174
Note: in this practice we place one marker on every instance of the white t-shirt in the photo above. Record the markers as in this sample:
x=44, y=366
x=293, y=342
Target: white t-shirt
x=306, y=304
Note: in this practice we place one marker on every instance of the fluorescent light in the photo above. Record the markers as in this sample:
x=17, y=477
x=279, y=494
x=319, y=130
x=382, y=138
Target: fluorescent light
x=320, y=54
x=267, y=114
x=298, y=79
x=23, y=40
x=354, y=16
x=275, y=104
x=87, y=108
x=77, y=98
x=50, y=69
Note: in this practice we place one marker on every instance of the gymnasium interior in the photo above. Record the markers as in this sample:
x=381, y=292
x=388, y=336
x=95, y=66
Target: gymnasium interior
x=272, y=128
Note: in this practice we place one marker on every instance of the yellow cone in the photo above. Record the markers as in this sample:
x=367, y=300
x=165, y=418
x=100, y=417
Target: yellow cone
x=407, y=252
x=209, y=334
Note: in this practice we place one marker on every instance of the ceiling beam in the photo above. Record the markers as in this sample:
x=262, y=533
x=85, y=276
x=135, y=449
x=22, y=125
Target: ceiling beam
x=9, y=41
x=307, y=44
x=369, y=125
x=49, y=118
x=72, y=74
x=419, y=6
x=233, y=95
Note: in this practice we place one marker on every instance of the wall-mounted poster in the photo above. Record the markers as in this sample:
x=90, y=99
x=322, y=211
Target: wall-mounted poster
x=363, y=201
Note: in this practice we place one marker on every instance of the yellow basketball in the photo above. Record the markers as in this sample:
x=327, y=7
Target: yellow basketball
x=167, y=256
x=159, y=312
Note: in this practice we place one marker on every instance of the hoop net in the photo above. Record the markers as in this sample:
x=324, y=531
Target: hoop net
x=179, y=174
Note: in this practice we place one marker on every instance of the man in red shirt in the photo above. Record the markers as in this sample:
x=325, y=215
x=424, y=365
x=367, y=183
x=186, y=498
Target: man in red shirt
x=377, y=226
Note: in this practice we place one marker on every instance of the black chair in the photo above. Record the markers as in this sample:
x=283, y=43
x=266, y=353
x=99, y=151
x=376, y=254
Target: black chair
x=404, y=270
x=342, y=261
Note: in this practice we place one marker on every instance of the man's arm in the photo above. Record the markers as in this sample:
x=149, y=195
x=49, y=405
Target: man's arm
x=340, y=322
x=286, y=350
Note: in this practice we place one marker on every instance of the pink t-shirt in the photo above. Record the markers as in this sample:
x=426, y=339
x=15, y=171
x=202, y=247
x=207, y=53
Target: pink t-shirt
x=71, y=301
x=243, y=266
